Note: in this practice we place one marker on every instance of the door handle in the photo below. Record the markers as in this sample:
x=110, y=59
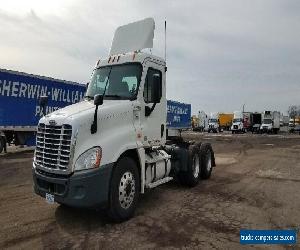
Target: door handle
x=162, y=130
x=137, y=108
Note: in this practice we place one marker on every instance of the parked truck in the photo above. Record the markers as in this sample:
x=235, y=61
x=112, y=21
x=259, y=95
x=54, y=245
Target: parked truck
x=108, y=149
x=213, y=123
x=200, y=122
x=238, y=122
x=195, y=123
x=225, y=120
x=293, y=122
x=247, y=121
x=270, y=122
x=255, y=120
x=203, y=121
x=20, y=110
x=285, y=120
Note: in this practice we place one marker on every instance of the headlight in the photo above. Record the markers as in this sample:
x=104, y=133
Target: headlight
x=89, y=159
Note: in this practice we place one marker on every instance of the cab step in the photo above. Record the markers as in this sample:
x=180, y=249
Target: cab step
x=159, y=182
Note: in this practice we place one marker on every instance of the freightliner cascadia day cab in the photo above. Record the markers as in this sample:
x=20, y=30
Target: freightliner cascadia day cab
x=20, y=110
x=108, y=149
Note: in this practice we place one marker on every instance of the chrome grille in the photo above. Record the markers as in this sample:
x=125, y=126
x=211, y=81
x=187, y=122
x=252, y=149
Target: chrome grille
x=53, y=146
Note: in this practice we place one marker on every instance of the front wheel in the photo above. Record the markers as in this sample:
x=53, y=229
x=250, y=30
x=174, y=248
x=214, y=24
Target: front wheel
x=124, y=190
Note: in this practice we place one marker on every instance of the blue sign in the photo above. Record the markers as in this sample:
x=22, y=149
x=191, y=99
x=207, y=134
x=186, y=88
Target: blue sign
x=19, y=97
x=178, y=115
x=268, y=236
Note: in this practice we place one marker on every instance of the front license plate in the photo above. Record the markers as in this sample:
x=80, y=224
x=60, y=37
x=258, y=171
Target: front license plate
x=50, y=198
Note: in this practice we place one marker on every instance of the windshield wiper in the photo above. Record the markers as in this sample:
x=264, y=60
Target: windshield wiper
x=115, y=96
x=89, y=97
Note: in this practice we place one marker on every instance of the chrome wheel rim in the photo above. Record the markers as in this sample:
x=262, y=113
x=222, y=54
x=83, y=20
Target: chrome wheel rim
x=196, y=166
x=126, y=190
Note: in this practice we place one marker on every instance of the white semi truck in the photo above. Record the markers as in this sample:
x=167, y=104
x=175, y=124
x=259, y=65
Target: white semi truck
x=108, y=149
x=270, y=122
x=238, y=122
x=213, y=123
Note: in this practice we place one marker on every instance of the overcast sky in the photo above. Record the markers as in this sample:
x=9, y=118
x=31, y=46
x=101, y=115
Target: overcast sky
x=220, y=55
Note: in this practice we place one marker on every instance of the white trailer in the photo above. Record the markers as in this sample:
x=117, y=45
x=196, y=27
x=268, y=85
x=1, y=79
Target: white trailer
x=203, y=121
x=111, y=147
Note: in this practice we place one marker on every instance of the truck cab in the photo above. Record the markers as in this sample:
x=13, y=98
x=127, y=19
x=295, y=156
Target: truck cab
x=108, y=149
x=267, y=124
x=213, y=123
x=270, y=122
x=238, y=122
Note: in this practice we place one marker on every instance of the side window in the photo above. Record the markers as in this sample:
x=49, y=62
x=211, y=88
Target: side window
x=132, y=82
x=149, y=83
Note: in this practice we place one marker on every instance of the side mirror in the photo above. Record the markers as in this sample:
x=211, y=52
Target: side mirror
x=87, y=85
x=156, y=88
x=98, y=100
x=43, y=101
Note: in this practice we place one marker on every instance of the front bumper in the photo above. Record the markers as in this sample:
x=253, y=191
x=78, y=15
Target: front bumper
x=89, y=188
x=266, y=129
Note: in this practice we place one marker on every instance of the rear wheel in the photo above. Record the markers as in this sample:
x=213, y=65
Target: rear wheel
x=1, y=144
x=206, y=154
x=191, y=177
x=124, y=190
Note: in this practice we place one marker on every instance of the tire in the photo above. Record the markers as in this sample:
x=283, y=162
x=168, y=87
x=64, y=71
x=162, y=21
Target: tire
x=191, y=177
x=207, y=160
x=124, y=190
x=1, y=144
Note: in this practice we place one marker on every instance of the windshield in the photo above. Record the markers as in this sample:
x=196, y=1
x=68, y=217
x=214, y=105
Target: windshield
x=212, y=120
x=267, y=121
x=119, y=81
x=237, y=120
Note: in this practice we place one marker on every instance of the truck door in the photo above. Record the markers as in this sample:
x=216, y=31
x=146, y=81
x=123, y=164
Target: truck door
x=154, y=114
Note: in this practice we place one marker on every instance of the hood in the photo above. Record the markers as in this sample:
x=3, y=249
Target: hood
x=237, y=123
x=72, y=109
x=84, y=109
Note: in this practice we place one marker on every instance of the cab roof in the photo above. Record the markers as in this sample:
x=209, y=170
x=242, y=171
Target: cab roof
x=132, y=57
